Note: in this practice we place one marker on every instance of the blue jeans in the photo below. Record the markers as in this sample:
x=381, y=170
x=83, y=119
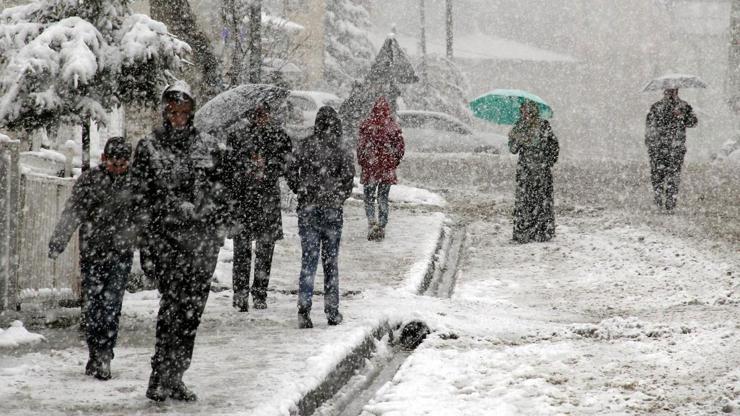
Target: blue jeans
x=104, y=283
x=381, y=190
x=320, y=230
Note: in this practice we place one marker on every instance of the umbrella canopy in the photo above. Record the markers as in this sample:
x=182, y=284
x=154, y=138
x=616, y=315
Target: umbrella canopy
x=502, y=106
x=229, y=107
x=674, y=81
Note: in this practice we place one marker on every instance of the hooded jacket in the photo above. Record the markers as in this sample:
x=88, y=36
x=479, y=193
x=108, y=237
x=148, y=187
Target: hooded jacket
x=323, y=172
x=664, y=130
x=380, y=147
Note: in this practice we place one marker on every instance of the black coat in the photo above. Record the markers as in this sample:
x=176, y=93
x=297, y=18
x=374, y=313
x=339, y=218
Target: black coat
x=534, y=214
x=179, y=197
x=254, y=160
x=101, y=205
x=665, y=131
x=323, y=171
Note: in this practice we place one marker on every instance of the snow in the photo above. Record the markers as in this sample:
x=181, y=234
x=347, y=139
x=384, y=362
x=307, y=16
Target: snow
x=16, y=335
x=407, y=195
x=477, y=47
x=279, y=23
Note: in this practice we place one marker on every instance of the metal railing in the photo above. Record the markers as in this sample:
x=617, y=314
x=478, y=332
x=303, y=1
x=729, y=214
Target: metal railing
x=30, y=206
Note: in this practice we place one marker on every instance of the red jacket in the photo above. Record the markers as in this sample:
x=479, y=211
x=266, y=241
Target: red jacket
x=380, y=147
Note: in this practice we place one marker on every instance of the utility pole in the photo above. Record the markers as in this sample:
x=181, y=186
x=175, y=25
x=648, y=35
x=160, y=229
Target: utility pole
x=255, y=42
x=423, y=46
x=733, y=84
x=448, y=15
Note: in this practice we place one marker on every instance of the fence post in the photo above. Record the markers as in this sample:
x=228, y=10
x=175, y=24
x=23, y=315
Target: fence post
x=9, y=212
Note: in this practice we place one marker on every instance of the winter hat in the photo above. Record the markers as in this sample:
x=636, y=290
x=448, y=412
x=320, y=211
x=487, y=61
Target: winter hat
x=117, y=148
x=179, y=91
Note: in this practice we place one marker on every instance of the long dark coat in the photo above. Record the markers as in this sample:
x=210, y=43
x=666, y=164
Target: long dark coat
x=254, y=161
x=534, y=216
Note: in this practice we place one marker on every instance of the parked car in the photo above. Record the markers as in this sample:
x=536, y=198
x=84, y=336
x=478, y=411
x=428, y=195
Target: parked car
x=429, y=131
x=302, y=107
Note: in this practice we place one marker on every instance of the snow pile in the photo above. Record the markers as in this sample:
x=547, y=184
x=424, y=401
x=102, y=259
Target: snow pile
x=407, y=194
x=16, y=335
x=630, y=327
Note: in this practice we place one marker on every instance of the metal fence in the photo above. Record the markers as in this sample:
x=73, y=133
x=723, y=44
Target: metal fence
x=30, y=205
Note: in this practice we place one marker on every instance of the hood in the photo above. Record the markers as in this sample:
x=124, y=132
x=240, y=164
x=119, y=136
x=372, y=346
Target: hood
x=179, y=89
x=328, y=126
x=381, y=109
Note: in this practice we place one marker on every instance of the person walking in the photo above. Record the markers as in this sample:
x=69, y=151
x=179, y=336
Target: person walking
x=175, y=172
x=380, y=149
x=255, y=159
x=533, y=139
x=665, y=138
x=101, y=206
x=322, y=177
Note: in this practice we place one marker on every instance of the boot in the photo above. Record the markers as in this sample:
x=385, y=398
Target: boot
x=335, y=318
x=241, y=303
x=380, y=234
x=372, y=231
x=179, y=391
x=157, y=389
x=304, y=320
x=103, y=369
x=92, y=366
x=259, y=302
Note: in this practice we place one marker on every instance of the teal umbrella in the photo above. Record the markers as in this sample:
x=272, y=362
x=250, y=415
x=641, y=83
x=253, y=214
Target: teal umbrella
x=502, y=106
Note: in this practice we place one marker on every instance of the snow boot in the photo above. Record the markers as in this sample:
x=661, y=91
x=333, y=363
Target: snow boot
x=102, y=371
x=304, y=320
x=179, y=391
x=380, y=234
x=259, y=303
x=335, y=318
x=157, y=389
x=241, y=303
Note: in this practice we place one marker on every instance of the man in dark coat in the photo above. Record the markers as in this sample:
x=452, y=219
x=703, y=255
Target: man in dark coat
x=322, y=177
x=101, y=206
x=255, y=159
x=665, y=137
x=175, y=172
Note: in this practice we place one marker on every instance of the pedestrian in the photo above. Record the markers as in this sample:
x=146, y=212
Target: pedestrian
x=101, y=206
x=322, y=177
x=175, y=172
x=665, y=137
x=533, y=139
x=380, y=149
x=256, y=157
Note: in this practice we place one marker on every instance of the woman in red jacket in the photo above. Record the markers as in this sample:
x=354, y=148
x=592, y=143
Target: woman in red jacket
x=379, y=151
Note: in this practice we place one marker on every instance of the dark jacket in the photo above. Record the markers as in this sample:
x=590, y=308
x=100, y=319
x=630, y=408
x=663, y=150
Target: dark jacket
x=665, y=130
x=380, y=147
x=252, y=164
x=323, y=171
x=101, y=205
x=178, y=194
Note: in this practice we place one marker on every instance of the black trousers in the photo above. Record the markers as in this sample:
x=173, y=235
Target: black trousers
x=104, y=283
x=264, y=249
x=184, y=282
x=665, y=175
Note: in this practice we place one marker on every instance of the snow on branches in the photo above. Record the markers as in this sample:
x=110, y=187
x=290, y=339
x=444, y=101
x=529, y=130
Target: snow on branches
x=71, y=60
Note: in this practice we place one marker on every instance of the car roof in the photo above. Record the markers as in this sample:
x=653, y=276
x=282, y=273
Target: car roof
x=450, y=123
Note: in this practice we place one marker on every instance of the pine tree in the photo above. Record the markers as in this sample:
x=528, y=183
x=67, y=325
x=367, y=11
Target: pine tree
x=446, y=89
x=71, y=61
x=349, y=52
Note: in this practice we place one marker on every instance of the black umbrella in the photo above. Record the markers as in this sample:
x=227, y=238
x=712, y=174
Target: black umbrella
x=229, y=107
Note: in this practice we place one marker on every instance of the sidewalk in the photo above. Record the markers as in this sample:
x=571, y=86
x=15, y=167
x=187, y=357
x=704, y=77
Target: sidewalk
x=256, y=363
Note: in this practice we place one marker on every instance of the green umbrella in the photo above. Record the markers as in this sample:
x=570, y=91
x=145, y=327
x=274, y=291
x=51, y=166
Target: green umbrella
x=502, y=106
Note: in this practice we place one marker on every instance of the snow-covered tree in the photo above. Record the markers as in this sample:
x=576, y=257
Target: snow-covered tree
x=349, y=52
x=70, y=61
x=446, y=88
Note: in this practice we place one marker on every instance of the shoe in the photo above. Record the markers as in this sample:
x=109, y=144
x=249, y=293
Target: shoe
x=335, y=319
x=241, y=303
x=380, y=234
x=157, y=390
x=372, y=231
x=102, y=371
x=179, y=391
x=259, y=303
x=304, y=321
x=91, y=368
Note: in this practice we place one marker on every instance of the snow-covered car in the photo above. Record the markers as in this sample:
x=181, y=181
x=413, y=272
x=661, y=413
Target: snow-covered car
x=302, y=109
x=429, y=131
